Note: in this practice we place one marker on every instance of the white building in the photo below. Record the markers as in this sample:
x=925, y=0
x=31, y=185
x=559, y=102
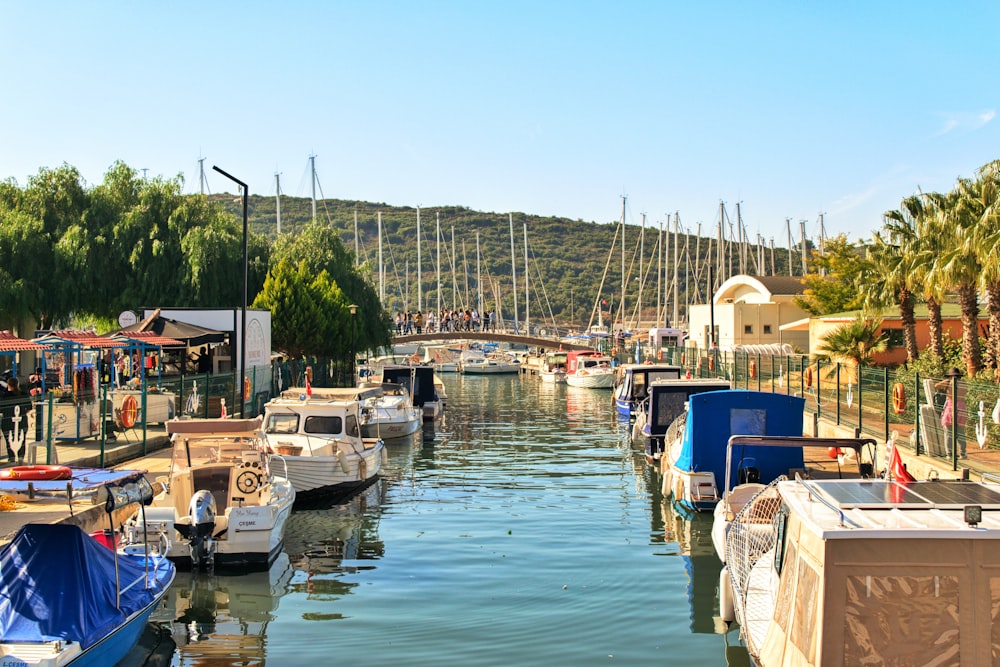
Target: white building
x=750, y=310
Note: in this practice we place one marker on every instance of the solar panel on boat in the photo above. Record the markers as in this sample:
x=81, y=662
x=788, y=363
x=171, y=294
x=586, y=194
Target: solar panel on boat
x=873, y=494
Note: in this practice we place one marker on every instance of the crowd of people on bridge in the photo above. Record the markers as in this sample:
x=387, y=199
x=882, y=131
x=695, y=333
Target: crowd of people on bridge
x=448, y=320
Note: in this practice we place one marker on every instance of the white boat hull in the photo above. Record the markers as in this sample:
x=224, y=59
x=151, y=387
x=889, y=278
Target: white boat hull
x=592, y=379
x=553, y=376
x=336, y=475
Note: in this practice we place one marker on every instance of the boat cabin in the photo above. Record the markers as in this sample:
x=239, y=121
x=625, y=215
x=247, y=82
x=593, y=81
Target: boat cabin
x=668, y=400
x=632, y=386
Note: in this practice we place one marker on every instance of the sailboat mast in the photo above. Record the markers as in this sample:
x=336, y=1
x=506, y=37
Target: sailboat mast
x=479, y=279
x=419, y=281
x=621, y=308
x=788, y=232
x=277, y=199
x=513, y=266
x=312, y=171
x=527, y=294
x=802, y=230
x=677, y=296
x=437, y=235
x=661, y=301
x=357, y=246
x=381, y=265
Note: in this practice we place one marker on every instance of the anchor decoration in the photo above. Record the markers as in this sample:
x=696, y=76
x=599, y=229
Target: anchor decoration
x=781, y=379
x=193, y=400
x=981, y=430
x=850, y=393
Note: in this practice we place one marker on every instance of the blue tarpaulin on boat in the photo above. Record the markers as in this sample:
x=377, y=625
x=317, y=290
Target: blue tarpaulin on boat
x=714, y=416
x=57, y=582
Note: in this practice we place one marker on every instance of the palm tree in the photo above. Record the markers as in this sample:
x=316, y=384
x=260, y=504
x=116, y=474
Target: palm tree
x=983, y=240
x=856, y=341
x=926, y=250
x=958, y=268
x=890, y=278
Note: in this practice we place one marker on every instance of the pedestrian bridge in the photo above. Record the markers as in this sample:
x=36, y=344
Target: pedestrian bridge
x=550, y=343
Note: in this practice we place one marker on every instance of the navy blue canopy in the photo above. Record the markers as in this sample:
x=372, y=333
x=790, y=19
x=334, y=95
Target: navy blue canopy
x=57, y=582
x=714, y=416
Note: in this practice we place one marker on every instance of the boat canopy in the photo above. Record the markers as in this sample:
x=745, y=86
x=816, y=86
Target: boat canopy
x=715, y=416
x=58, y=583
x=419, y=380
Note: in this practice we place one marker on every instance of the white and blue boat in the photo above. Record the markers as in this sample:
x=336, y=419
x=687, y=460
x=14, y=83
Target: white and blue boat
x=666, y=402
x=66, y=599
x=632, y=385
x=694, y=467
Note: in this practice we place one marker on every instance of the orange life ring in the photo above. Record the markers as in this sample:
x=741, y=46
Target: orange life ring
x=36, y=473
x=659, y=355
x=898, y=398
x=753, y=369
x=246, y=389
x=129, y=411
x=614, y=352
x=808, y=375
x=711, y=363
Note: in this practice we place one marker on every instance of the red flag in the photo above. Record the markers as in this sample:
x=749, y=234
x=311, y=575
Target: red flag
x=896, y=468
x=223, y=414
x=309, y=387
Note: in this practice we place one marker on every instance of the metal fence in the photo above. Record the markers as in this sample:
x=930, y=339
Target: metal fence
x=928, y=413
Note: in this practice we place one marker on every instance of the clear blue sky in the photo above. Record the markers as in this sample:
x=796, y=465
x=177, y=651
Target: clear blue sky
x=550, y=108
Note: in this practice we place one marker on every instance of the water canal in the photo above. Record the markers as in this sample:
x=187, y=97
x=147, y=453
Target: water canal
x=524, y=530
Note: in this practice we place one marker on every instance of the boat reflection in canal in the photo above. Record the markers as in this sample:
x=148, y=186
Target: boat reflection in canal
x=319, y=541
x=223, y=619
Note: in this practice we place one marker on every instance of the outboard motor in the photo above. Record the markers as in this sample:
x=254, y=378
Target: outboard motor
x=201, y=512
x=749, y=473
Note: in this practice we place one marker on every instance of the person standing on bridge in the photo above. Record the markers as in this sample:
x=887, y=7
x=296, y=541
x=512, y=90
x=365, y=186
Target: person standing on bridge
x=493, y=320
x=418, y=321
x=430, y=321
x=475, y=319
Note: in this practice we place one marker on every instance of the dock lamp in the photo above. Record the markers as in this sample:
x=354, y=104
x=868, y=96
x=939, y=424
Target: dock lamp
x=354, y=356
x=243, y=312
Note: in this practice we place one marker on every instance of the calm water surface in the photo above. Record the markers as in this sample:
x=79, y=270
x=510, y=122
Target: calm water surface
x=522, y=530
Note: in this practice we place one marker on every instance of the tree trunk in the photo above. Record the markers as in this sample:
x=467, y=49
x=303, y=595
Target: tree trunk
x=993, y=340
x=971, y=354
x=935, y=327
x=909, y=323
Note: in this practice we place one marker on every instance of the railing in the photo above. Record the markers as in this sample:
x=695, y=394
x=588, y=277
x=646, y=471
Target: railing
x=929, y=413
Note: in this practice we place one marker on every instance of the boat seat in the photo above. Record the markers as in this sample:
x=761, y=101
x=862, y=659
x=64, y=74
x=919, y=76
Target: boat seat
x=215, y=480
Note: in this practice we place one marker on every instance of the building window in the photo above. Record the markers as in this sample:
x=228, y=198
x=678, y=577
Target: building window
x=747, y=329
x=767, y=329
x=895, y=337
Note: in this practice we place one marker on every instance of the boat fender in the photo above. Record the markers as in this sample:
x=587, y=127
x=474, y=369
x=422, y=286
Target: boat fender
x=385, y=457
x=344, y=465
x=362, y=469
x=727, y=611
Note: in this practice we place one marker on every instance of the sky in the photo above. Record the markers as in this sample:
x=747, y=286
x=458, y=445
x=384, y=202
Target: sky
x=800, y=111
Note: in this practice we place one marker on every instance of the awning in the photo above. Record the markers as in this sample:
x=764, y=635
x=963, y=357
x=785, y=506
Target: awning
x=11, y=343
x=82, y=338
x=797, y=325
x=146, y=338
x=191, y=335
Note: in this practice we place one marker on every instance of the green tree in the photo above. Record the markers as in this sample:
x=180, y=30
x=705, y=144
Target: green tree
x=856, y=341
x=831, y=285
x=307, y=311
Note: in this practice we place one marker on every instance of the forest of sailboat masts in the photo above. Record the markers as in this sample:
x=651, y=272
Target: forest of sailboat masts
x=543, y=271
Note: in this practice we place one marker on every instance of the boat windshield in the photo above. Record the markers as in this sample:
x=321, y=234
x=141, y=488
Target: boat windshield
x=326, y=425
x=282, y=423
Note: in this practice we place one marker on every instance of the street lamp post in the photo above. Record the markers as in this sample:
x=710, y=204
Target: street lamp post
x=243, y=312
x=354, y=311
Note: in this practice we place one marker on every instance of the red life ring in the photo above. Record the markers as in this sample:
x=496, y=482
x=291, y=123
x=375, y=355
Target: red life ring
x=36, y=473
x=809, y=377
x=246, y=389
x=129, y=411
x=753, y=369
x=898, y=398
x=659, y=355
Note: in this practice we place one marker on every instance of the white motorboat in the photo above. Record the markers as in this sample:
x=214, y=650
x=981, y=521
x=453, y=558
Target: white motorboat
x=553, y=368
x=390, y=413
x=315, y=433
x=223, y=503
x=866, y=572
x=443, y=358
x=489, y=364
x=589, y=368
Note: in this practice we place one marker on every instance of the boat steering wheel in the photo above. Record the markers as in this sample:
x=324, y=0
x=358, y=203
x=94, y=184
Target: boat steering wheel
x=248, y=481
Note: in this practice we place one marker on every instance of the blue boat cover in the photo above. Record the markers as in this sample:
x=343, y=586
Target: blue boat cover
x=57, y=582
x=714, y=416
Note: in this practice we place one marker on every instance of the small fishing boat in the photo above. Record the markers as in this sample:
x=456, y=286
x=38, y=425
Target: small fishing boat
x=632, y=384
x=315, y=434
x=425, y=387
x=694, y=462
x=667, y=400
x=223, y=503
x=553, y=368
x=589, y=368
x=390, y=413
x=866, y=572
x=443, y=358
x=67, y=599
x=489, y=364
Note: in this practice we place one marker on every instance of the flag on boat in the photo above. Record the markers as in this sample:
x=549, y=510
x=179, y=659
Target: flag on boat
x=897, y=470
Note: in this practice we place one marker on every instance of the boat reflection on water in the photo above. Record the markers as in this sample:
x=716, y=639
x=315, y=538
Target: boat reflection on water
x=693, y=537
x=319, y=541
x=223, y=619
